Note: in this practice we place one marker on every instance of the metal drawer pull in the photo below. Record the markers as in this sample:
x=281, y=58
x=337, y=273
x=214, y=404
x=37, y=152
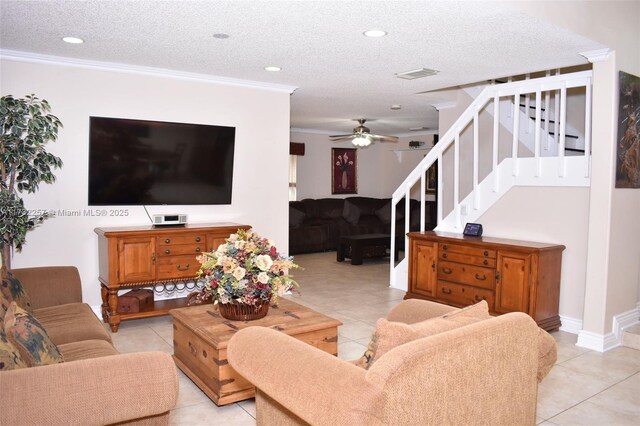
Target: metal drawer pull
x=167, y=251
x=186, y=267
x=444, y=247
x=197, y=249
x=485, y=262
x=167, y=241
x=447, y=270
x=479, y=299
x=444, y=256
x=481, y=277
x=197, y=239
x=433, y=265
x=486, y=253
x=446, y=290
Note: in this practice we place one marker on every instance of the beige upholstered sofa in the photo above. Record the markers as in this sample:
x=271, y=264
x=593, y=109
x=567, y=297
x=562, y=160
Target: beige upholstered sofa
x=95, y=385
x=482, y=373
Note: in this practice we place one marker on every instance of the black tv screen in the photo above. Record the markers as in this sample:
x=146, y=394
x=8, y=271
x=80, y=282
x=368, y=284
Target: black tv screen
x=137, y=162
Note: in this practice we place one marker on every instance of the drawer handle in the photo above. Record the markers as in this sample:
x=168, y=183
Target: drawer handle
x=447, y=270
x=167, y=241
x=485, y=262
x=444, y=256
x=481, y=277
x=197, y=249
x=433, y=265
x=197, y=239
x=445, y=247
x=486, y=253
x=446, y=290
x=167, y=251
x=497, y=277
x=153, y=257
x=186, y=267
x=479, y=299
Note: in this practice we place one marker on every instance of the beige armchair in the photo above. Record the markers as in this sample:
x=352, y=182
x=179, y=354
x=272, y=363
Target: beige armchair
x=483, y=373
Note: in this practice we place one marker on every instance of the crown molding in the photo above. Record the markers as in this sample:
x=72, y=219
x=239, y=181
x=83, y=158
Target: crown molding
x=598, y=55
x=443, y=105
x=315, y=131
x=37, y=58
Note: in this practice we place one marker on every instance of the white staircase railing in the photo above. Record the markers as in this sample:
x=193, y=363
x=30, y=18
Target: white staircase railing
x=536, y=169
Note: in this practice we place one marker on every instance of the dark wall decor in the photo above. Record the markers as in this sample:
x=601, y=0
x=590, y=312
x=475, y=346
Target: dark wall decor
x=628, y=152
x=344, y=168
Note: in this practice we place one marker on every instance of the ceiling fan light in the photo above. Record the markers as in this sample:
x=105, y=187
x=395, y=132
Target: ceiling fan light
x=361, y=141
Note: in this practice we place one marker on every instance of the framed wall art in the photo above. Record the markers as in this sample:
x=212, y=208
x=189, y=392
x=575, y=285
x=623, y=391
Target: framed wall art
x=628, y=142
x=344, y=171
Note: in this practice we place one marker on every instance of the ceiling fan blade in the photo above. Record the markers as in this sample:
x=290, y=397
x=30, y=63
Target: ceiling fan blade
x=340, y=138
x=383, y=138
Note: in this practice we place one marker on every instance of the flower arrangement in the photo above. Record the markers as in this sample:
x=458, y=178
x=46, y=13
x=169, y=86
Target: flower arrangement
x=247, y=269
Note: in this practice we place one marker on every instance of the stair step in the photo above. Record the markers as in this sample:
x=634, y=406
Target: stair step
x=566, y=136
x=631, y=337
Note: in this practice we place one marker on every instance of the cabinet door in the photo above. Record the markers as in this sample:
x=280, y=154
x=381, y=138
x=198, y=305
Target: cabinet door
x=512, y=282
x=424, y=256
x=136, y=259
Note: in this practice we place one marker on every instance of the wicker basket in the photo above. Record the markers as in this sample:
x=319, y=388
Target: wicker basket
x=242, y=312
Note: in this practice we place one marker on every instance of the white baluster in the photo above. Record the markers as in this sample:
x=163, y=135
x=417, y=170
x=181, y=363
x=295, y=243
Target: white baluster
x=537, y=133
x=496, y=140
x=509, y=112
x=547, y=99
x=476, y=155
x=407, y=213
x=527, y=106
x=516, y=131
x=423, y=191
x=440, y=188
x=563, y=127
x=456, y=177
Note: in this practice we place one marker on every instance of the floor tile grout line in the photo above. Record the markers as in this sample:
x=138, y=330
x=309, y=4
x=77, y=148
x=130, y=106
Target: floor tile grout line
x=592, y=396
x=245, y=410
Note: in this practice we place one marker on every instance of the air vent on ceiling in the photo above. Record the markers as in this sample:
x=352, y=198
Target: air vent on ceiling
x=417, y=129
x=419, y=73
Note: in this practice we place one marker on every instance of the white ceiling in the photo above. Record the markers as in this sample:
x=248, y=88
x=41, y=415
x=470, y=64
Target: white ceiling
x=340, y=74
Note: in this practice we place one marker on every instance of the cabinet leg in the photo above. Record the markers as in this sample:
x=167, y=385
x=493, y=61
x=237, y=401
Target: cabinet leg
x=356, y=254
x=104, y=292
x=114, y=319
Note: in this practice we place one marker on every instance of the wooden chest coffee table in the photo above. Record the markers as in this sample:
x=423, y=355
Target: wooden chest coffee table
x=200, y=337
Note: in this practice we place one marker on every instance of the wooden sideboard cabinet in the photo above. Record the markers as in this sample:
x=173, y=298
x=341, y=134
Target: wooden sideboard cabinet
x=512, y=276
x=143, y=256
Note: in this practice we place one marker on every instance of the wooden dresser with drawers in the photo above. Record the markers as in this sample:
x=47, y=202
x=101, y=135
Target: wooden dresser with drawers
x=510, y=275
x=146, y=256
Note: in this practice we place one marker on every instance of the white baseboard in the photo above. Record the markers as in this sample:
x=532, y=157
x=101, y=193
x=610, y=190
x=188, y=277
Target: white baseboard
x=570, y=325
x=605, y=342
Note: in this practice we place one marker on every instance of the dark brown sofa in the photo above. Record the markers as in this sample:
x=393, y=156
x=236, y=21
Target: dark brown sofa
x=317, y=224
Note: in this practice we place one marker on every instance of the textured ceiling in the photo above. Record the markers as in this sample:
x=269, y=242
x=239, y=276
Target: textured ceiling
x=340, y=74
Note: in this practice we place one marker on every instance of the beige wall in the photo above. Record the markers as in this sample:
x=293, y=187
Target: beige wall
x=261, y=118
x=549, y=215
x=380, y=172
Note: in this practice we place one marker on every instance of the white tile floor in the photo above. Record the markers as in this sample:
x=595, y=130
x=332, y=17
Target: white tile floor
x=584, y=388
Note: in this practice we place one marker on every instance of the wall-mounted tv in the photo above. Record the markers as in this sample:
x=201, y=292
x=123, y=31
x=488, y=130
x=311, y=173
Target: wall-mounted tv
x=138, y=162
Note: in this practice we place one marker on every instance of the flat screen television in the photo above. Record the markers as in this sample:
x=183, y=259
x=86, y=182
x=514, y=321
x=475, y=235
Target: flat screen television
x=139, y=162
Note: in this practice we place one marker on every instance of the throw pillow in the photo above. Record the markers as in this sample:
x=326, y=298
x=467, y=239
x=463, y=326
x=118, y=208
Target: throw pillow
x=30, y=338
x=295, y=217
x=351, y=212
x=389, y=334
x=10, y=358
x=384, y=213
x=13, y=291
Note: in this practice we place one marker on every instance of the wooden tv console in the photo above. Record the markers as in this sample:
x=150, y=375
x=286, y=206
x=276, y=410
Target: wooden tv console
x=512, y=276
x=143, y=256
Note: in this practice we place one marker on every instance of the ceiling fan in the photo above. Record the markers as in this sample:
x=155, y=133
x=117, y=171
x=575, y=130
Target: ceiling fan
x=362, y=137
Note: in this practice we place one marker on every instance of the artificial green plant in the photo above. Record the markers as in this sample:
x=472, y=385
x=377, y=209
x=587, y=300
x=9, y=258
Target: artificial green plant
x=27, y=126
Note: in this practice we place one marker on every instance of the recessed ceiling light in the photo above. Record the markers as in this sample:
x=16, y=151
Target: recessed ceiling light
x=396, y=107
x=72, y=40
x=375, y=33
x=221, y=35
x=274, y=69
